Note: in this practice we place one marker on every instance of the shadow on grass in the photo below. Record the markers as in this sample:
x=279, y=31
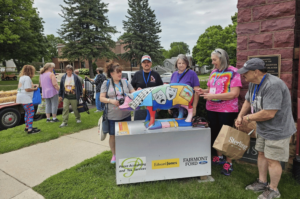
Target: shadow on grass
x=16, y=138
x=95, y=178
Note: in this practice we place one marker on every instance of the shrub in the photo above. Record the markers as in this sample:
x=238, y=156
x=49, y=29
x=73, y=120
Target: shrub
x=84, y=71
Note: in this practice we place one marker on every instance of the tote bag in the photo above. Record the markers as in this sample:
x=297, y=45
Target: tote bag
x=37, y=98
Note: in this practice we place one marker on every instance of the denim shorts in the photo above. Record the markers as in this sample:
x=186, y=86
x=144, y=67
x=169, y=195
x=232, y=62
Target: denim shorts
x=111, y=124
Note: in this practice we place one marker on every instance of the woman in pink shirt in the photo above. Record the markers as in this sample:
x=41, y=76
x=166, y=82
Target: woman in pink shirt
x=50, y=90
x=224, y=85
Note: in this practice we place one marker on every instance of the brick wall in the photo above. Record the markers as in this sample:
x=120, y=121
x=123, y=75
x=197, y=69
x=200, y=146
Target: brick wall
x=267, y=27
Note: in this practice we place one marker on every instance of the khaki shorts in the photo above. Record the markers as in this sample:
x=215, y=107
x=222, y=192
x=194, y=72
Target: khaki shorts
x=274, y=149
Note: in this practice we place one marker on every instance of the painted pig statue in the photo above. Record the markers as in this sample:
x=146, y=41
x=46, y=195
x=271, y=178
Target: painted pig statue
x=161, y=97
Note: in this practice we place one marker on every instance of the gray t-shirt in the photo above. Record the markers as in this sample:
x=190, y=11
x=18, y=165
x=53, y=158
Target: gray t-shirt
x=114, y=113
x=24, y=97
x=273, y=95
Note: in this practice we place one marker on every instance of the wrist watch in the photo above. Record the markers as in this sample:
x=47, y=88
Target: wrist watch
x=248, y=118
x=108, y=100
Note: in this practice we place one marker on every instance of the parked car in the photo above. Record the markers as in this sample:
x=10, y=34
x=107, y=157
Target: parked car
x=128, y=75
x=166, y=75
x=166, y=80
x=8, y=76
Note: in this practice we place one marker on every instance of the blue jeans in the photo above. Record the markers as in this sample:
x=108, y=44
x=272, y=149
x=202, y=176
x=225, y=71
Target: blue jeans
x=111, y=124
x=98, y=103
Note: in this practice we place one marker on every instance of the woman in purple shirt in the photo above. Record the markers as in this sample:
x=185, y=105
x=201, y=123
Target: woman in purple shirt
x=185, y=76
x=50, y=90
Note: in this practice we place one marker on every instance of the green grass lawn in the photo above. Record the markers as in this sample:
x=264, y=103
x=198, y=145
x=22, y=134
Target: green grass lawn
x=8, y=87
x=203, y=77
x=35, y=80
x=15, y=138
x=95, y=178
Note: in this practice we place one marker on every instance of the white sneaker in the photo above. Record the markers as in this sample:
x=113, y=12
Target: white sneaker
x=63, y=125
x=97, y=111
x=78, y=121
x=100, y=131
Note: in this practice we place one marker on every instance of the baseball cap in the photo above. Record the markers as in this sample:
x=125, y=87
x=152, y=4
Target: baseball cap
x=146, y=57
x=252, y=64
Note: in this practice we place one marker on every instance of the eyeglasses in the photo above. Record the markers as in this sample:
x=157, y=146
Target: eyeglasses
x=218, y=52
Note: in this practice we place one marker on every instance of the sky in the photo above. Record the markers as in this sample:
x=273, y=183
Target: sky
x=181, y=20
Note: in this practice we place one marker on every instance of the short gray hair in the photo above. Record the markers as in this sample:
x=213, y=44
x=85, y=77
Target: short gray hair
x=69, y=67
x=223, y=56
x=184, y=58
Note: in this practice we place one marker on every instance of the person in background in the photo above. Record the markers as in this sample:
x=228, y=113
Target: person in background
x=100, y=78
x=117, y=89
x=224, y=86
x=269, y=100
x=70, y=92
x=80, y=78
x=185, y=76
x=25, y=95
x=50, y=90
x=143, y=79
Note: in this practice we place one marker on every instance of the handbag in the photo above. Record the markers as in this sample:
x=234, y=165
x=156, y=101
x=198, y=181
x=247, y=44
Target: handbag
x=41, y=108
x=105, y=124
x=232, y=142
x=82, y=106
x=37, y=98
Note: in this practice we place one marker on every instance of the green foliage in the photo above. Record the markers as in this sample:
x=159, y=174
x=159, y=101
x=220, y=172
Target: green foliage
x=52, y=47
x=84, y=71
x=21, y=32
x=176, y=48
x=86, y=31
x=94, y=68
x=36, y=65
x=15, y=138
x=216, y=37
x=141, y=33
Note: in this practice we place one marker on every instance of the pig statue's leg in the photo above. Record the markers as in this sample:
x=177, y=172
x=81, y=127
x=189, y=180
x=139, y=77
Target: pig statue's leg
x=181, y=111
x=152, y=115
x=190, y=113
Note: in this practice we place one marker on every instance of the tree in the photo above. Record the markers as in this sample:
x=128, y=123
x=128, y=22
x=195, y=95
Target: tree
x=29, y=43
x=52, y=48
x=177, y=48
x=86, y=31
x=216, y=37
x=141, y=32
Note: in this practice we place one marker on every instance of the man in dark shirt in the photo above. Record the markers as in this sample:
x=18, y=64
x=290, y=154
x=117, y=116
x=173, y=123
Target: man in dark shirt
x=143, y=79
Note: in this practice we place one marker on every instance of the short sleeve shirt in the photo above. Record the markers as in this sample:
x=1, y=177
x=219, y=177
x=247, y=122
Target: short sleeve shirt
x=190, y=78
x=24, y=97
x=114, y=113
x=222, y=83
x=273, y=94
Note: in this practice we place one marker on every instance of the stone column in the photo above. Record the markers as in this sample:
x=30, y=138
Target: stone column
x=267, y=27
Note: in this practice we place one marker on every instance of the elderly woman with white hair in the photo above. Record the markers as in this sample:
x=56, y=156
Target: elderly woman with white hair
x=50, y=90
x=224, y=85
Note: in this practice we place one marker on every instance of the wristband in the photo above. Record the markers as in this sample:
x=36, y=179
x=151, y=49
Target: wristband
x=108, y=100
x=248, y=118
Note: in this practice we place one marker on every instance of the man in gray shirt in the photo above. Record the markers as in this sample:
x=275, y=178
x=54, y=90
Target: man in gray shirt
x=269, y=100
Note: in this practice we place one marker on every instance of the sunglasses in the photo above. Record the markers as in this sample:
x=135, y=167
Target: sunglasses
x=218, y=52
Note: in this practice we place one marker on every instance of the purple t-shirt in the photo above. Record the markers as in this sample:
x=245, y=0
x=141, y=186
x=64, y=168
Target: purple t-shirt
x=223, y=83
x=190, y=78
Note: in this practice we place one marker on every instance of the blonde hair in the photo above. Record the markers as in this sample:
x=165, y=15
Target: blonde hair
x=46, y=67
x=223, y=56
x=28, y=70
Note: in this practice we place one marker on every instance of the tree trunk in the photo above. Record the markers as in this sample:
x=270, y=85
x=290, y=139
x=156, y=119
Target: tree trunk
x=91, y=68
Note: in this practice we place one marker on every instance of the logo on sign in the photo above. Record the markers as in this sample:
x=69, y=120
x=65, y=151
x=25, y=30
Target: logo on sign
x=132, y=167
x=195, y=161
x=163, y=164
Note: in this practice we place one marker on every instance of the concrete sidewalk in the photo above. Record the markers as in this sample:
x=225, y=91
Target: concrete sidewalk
x=25, y=168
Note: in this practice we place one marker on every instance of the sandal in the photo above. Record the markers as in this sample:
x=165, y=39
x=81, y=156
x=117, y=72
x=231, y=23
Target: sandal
x=198, y=121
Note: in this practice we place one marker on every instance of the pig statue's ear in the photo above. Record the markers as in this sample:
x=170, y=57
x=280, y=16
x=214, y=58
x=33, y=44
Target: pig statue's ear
x=130, y=96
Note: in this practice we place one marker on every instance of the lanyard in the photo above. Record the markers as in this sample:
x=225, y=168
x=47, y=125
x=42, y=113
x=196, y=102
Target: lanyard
x=256, y=89
x=218, y=77
x=179, y=77
x=114, y=86
x=146, y=82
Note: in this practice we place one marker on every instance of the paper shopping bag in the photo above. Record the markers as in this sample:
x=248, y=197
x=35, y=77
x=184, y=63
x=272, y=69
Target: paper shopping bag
x=232, y=142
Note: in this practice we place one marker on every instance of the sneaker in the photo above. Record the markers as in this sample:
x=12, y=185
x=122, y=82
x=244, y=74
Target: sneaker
x=227, y=169
x=217, y=160
x=48, y=120
x=78, y=121
x=63, y=125
x=97, y=111
x=55, y=120
x=113, y=160
x=269, y=194
x=257, y=186
x=33, y=131
x=26, y=129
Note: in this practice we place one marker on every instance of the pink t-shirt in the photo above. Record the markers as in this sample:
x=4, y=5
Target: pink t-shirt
x=228, y=79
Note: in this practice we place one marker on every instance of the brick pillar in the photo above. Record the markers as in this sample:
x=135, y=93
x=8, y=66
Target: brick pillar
x=267, y=27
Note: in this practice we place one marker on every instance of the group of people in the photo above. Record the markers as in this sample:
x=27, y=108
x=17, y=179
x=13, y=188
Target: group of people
x=268, y=102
